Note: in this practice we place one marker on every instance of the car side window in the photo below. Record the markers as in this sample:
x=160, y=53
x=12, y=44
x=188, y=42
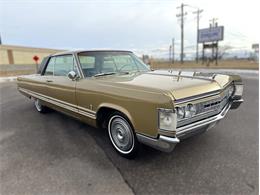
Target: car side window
x=50, y=67
x=63, y=65
x=87, y=62
x=88, y=65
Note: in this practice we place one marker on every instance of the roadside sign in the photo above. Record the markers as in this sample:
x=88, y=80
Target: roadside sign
x=211, y=34
x=36, y=58
x=255, y=47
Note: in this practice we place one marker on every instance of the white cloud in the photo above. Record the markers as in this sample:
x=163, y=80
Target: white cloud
x=146, y=26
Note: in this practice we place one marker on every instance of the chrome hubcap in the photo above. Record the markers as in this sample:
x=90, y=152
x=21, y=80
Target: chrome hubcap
x=38, y=105
x=121, y=134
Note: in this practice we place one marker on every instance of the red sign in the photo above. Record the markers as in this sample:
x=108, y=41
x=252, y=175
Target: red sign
x=36, y=58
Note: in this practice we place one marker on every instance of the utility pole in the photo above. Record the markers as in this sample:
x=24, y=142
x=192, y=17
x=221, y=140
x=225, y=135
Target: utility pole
x=213, y=23
x=198, y=12
x=181, y=15
x=173, y=51
x=170, y=53
x=0, y=40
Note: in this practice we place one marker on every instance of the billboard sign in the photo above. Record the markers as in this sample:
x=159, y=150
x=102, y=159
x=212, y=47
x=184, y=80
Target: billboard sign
x=255, y=47
x=211, y=34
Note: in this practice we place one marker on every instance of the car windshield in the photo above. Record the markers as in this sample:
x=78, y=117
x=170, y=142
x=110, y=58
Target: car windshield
x=102, y=63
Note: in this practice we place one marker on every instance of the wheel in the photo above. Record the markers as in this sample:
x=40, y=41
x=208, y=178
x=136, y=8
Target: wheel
x=122, y=136
x=39, y=107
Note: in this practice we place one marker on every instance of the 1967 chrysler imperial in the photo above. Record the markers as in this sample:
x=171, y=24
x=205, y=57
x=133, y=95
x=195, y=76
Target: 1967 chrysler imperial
x=116, y=91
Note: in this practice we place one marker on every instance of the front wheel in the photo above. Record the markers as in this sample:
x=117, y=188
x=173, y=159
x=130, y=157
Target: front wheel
x=122, y=136
x=39, y=107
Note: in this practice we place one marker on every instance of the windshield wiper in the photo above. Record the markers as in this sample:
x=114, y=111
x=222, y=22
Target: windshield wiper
x=124, y=72
x=104, y=74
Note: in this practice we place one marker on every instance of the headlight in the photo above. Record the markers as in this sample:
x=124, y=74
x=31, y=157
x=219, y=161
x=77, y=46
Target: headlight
x=180, y=112
x=239, y=90
x=187, y=111
x=167, y=119
x=190, y=110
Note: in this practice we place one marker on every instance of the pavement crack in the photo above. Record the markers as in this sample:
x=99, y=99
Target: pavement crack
x=251, y=186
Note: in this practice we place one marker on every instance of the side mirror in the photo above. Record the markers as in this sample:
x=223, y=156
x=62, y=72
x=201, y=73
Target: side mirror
x=72, y=75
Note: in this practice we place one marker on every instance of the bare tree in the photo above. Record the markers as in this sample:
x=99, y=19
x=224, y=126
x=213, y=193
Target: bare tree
x=222, y=51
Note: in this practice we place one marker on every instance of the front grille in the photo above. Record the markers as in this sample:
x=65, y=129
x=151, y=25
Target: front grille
x=213, y=105
x=208, y=108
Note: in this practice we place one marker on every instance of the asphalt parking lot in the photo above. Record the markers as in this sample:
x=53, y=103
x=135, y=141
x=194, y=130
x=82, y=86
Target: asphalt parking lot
x=55, y=154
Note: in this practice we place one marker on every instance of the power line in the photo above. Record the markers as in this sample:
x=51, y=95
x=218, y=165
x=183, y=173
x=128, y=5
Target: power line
x=181, y=15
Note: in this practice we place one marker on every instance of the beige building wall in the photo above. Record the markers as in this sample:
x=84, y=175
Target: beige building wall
x=10, y=54
x=3, y=57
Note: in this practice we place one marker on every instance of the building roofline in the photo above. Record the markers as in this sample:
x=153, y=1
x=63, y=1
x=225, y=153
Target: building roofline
x=18, y=47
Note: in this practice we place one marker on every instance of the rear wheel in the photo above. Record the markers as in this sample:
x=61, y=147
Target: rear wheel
x=122, y=136
x=39, y=107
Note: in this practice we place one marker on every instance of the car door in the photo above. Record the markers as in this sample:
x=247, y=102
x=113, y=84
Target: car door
x=59, y=88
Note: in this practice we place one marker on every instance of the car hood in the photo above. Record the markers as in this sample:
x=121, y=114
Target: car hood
x=176, y=83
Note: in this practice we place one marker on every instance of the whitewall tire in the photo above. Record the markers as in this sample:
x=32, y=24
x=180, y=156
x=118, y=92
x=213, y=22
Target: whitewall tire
x=39, y=107
x=122, y=136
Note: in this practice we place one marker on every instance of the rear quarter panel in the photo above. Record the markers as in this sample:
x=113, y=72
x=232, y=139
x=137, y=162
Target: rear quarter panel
x=34, y=83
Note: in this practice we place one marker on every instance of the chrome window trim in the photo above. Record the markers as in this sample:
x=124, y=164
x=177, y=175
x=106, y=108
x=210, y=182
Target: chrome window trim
x=60, y=55
x=78, y=65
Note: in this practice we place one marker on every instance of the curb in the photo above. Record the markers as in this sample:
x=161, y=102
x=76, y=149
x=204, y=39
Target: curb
x=7, y=79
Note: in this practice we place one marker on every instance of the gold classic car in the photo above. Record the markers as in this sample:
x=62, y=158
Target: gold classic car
x=116, y=91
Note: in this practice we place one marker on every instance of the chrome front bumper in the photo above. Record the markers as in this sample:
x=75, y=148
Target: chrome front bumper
x=167, y=144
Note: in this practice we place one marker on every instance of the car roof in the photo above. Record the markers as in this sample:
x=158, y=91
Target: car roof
x=83, y=51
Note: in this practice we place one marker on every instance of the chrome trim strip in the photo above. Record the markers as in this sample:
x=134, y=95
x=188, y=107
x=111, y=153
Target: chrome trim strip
x=87, y=114
x=86, y=110
x=68, y=106
x=236, y=103
x=205, y=95
x=180, y=75
x=197, y=97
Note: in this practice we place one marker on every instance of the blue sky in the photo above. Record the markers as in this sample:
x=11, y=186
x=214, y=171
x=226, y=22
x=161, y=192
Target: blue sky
x=143, y=26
